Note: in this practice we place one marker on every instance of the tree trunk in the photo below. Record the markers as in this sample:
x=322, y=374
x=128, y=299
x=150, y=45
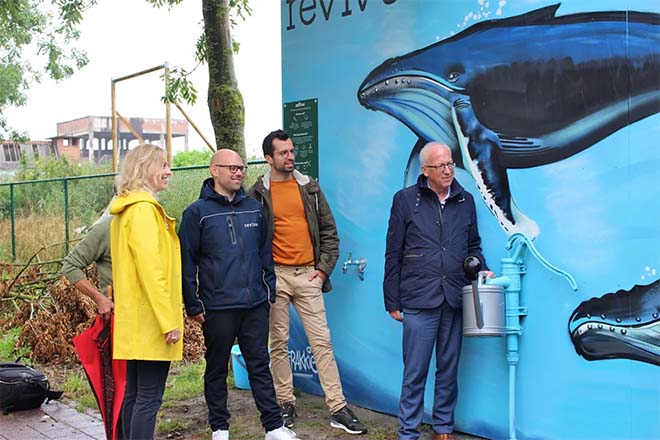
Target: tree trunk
x=224, y=99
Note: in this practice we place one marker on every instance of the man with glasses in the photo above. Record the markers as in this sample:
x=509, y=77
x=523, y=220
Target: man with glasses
x=228, y=283
x=432, y=229
x=305, y=250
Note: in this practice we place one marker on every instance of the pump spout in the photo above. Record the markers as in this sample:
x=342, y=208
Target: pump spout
x=472, y=266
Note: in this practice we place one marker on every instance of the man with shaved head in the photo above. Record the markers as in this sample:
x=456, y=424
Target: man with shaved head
x=228, y=285
x=432, y=229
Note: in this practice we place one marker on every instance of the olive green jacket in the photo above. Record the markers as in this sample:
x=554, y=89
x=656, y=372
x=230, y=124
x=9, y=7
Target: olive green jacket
x=322, y=226
x=94, y=248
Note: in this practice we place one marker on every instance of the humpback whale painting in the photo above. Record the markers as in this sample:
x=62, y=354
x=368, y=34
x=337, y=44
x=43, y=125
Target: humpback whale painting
x=526, y=91
x=552, y=113
x=521, y=92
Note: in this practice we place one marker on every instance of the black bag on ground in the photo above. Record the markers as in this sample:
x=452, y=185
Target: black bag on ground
x=23, y=387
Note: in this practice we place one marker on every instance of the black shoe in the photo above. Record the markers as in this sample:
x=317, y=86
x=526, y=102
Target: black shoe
x=288, y=414
x=346, y=420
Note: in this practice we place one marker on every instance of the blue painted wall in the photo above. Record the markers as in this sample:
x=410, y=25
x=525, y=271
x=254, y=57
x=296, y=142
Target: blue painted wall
x=597, y=212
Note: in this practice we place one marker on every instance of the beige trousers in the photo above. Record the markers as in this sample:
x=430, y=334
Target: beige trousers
x=294, y=287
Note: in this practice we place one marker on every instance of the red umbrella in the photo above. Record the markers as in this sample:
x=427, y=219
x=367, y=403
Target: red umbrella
x=106, y=376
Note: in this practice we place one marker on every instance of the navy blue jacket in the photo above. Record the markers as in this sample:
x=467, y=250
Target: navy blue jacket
x=426, y=247
x=226, y=257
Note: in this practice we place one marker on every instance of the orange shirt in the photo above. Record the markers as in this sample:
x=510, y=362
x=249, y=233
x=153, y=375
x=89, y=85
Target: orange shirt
x=292, y=244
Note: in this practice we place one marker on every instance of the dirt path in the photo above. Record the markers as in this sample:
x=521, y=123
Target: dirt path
x=312, y=423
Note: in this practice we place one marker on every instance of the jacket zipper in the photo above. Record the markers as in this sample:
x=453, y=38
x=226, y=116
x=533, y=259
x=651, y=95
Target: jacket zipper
x=232, y=233
x=240, y=243
x=442, y=228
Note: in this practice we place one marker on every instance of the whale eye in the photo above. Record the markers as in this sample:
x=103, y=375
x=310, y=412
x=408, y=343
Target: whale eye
x=453, y=76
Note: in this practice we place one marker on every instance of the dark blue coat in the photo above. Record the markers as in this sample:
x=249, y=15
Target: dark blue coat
x=226, y=256
x=426, y=247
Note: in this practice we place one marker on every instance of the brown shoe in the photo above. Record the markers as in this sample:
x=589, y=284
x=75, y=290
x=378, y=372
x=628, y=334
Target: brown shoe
x=444, y=436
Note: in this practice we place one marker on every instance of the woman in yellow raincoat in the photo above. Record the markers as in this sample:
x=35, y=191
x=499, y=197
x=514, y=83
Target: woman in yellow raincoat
x=146, y=269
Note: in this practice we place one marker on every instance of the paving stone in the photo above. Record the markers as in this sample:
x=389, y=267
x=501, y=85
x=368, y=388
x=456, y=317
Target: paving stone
x=24, y=432
x=97, y=432
x=54, y=421
x=60, y=431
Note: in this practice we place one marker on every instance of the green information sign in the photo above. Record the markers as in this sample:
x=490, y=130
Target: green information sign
x=302, y=123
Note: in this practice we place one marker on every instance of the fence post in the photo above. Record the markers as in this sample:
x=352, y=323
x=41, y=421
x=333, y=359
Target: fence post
x=13, y=232
x=66, y=215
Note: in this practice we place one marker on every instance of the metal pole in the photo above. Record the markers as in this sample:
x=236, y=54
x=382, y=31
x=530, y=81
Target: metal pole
x=66, y=215
x=199, y=132
x=130, y=127
x=115, y=144
x=13, y=224
x=142, y=72
x=168, y=121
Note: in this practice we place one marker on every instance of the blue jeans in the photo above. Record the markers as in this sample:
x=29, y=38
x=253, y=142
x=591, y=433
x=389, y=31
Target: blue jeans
x=423, y=329
x=145, y=384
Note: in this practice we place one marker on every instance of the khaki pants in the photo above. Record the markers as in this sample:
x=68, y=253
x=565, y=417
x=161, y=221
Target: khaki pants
x=293, y=287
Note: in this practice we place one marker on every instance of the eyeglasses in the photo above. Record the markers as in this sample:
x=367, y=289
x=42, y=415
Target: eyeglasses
x=232, y=168
x=442, y=166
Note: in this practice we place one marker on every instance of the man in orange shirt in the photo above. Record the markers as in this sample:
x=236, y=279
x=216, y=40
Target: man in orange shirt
x=305, y=251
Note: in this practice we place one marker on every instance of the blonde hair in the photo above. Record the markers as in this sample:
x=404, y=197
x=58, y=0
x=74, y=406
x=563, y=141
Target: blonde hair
x=139, y=164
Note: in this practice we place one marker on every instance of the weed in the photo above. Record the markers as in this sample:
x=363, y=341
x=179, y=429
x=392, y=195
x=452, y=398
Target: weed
x=184, y=382
x=76, y=387
x=170, y=425
x=8, y=350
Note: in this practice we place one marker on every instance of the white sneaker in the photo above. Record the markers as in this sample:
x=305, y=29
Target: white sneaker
x=220, y=435
x=282, y=433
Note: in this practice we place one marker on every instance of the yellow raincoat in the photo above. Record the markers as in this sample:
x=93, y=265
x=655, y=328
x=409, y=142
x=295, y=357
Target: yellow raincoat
x=146, y=272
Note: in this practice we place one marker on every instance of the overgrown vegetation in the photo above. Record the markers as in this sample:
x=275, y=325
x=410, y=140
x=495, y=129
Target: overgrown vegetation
x=39, y=206
x=8, y=347
x=189, y=158
x=87, y=196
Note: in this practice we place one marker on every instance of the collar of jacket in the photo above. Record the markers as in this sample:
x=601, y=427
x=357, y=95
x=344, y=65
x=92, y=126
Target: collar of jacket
x=301, y=179
x=120, y=203
x=208, y=192
x=455, y=189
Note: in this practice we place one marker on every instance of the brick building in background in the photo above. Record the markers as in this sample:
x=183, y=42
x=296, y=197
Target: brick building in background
x=90, y=139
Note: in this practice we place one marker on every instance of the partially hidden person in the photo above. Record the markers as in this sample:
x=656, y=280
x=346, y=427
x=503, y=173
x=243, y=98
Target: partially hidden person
x=93, y=248
x=228, y=285
x=305, y=251
x=146, y=272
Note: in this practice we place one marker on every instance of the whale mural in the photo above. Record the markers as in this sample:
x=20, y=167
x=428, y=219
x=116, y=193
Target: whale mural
x=553, y=116
x=625, y=324
x=499, y=104
x=521, y=92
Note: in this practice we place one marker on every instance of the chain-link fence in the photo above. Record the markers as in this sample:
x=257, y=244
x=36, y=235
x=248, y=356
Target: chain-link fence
x=44, y=218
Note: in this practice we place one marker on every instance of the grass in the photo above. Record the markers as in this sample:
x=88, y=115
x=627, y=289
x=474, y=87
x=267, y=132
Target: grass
x=31, y=234
x=171, y=425
x=8, y=350
x=77, y=388
x=184, y=382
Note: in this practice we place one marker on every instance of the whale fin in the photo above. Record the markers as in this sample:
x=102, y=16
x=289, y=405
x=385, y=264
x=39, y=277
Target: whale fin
x=480, y=150
x=517, y=151
x=414, y=165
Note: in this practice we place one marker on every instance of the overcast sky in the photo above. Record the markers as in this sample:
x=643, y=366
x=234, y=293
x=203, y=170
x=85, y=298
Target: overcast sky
x=125, y=36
